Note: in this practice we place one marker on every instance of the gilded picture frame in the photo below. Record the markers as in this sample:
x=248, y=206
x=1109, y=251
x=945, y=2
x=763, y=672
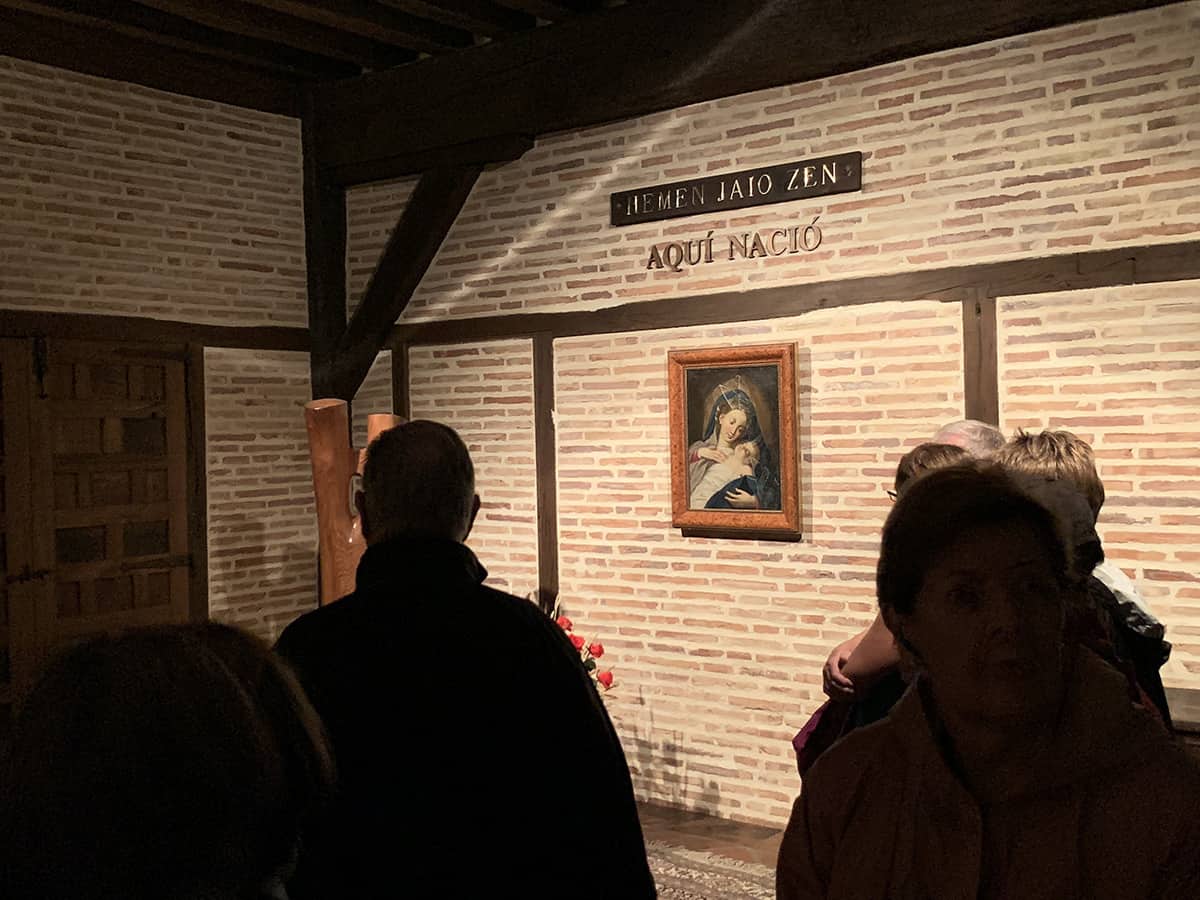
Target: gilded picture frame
x=733, y=442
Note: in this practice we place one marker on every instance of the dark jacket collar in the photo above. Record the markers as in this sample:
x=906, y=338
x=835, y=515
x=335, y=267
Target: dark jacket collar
x=1098, y=731
x=420, y=558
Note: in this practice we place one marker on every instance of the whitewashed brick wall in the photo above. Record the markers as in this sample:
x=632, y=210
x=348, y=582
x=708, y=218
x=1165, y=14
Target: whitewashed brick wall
x=717, y=645
x=120, y=199
x=1077, y=138
x=374, y=396
x=1073, y=138
x=485, y=392
x=262, y=525
x=1121, y=369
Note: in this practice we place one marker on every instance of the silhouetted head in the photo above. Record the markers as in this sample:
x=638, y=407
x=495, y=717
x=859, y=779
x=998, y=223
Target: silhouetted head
x=418, y=481
x=974, y=579
x=925, y=457
x=170, y=762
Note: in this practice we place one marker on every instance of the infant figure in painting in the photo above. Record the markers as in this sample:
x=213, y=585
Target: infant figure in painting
x=725, y=475
x=732, y=420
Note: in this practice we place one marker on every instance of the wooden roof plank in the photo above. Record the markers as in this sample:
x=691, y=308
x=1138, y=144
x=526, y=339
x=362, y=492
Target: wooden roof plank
x=477, y=16
x=253, y=21
x=72, y=46
x=374, y=22
x=143, y=23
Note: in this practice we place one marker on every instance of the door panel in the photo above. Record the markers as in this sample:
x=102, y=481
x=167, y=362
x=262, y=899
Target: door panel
x=109, y=471
x=24, y=581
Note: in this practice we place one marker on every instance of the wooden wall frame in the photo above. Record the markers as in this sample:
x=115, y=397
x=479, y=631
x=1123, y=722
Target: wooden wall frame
x=975, y=287
x=755, y=387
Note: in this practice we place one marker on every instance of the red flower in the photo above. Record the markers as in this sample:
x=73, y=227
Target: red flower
x=596, y=649
x=576, y=642
x=605, y=678
x=564, y=623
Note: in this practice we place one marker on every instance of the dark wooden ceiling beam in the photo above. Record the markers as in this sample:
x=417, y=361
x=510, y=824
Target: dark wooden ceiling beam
x=143, y=23
x=267, y=25
x=325, y=262
x=489, y=151
x=620, y=63
x=374, y=22
x=427, y=217
x=72, y=46
x=477, y=16
x=551, y=10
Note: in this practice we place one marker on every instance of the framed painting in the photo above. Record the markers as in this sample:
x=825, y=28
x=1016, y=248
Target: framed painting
x=733, y=442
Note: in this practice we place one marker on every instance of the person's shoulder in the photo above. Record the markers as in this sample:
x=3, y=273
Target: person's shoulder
x=855, y=760
x=503, y=608
x=317, y=625
x=1172, y=773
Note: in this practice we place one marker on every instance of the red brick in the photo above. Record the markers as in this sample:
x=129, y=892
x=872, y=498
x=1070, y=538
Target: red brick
x=1088, y=47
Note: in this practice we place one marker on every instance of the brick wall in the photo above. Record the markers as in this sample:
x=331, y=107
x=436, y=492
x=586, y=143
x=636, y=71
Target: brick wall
x=374, y=396
x=485, y=392
x=1121, y=368
x=717, y=645
x=120, y=199
x=262, y=526
x=1077, y=137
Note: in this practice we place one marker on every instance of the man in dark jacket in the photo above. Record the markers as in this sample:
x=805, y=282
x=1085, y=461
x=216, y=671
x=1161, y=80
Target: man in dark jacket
x=475, y=757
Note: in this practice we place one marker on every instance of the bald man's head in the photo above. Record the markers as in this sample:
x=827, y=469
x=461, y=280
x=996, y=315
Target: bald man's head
x=979, y=439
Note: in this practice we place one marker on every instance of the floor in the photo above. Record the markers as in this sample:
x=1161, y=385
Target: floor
x=699, y=831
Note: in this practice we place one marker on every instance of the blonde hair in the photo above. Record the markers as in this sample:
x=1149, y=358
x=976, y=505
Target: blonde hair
x=1056, y=455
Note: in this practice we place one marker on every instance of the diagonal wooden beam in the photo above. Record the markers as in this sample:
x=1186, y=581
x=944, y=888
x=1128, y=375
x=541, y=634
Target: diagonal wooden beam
x=564, y=76
x=431, y=210
x=267, y=25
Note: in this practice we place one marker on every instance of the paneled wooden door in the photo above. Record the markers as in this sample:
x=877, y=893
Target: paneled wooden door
x=96, y=479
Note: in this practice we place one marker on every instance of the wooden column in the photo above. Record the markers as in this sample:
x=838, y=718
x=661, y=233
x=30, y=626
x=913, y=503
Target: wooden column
x=325, y=253
x=546, y=464
x=981, y=387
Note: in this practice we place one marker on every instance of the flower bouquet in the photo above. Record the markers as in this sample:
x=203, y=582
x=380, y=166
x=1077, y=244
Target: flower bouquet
x=588, y=652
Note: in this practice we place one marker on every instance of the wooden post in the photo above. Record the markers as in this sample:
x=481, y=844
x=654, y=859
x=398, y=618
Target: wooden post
x=336, y=465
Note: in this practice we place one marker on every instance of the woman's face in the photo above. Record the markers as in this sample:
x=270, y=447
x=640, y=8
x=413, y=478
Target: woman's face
x=988, y=626
x=733, y=426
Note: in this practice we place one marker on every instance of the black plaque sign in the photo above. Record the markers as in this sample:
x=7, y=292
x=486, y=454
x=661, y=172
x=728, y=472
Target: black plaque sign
x=753, y=187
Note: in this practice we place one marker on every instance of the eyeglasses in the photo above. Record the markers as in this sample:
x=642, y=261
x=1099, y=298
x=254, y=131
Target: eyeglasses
x=892, y=496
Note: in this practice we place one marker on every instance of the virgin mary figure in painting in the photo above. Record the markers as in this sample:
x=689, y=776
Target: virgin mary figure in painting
x=731, y=466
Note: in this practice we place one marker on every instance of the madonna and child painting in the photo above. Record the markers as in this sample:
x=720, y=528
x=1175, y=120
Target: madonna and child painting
x=733, y=440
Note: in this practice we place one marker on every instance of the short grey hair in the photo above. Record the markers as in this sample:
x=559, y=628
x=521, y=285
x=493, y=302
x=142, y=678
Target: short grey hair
x=980, y=439
x=418, y=481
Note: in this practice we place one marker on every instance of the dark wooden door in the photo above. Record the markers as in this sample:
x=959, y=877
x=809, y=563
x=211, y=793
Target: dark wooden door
x=97, y=480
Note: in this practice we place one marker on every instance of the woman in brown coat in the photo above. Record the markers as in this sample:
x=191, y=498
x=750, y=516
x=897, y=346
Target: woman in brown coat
x=1016, y=767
